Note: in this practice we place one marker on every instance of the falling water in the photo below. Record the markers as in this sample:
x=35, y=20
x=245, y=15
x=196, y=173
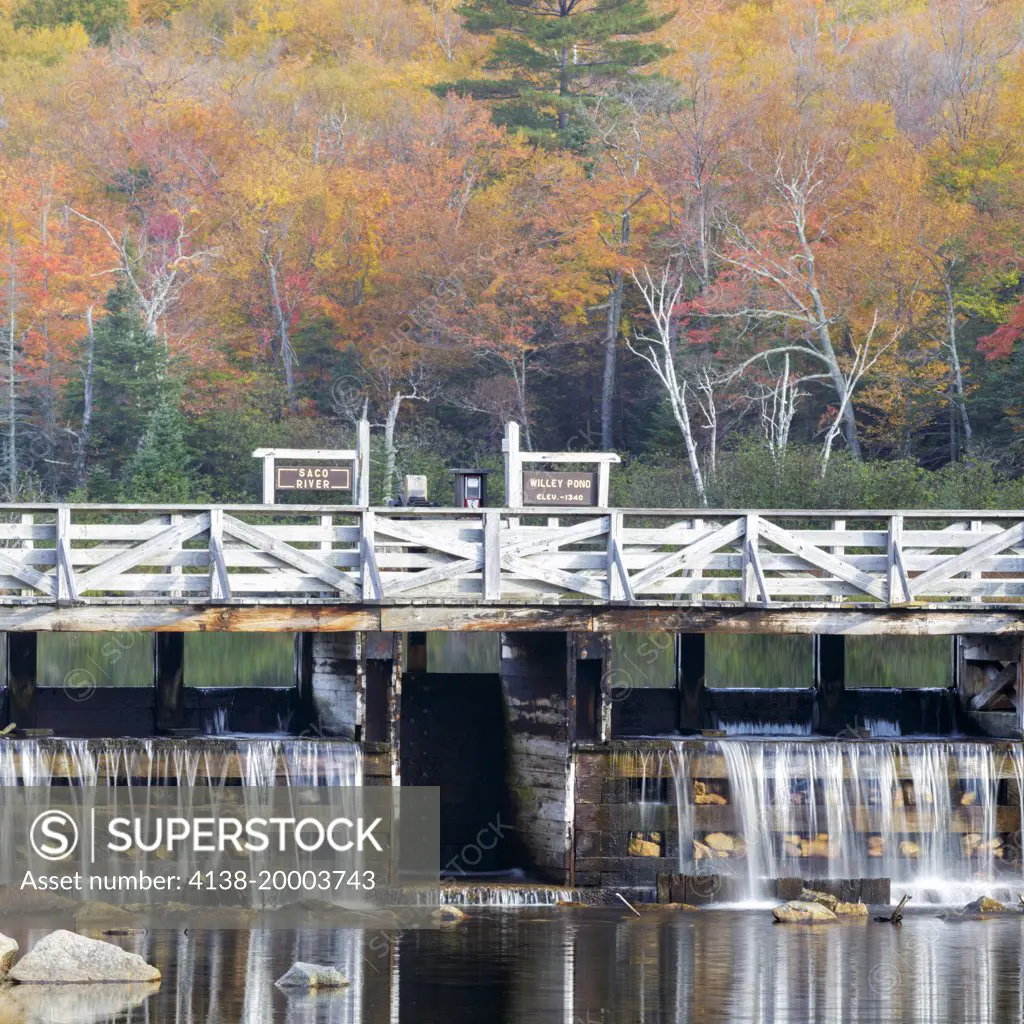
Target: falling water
x=941, y=819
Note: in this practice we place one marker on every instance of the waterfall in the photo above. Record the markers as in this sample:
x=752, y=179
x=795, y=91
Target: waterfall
x=941, y=819
x=208, y=761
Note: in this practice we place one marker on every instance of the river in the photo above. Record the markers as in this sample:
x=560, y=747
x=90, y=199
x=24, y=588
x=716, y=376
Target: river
x=586, y=966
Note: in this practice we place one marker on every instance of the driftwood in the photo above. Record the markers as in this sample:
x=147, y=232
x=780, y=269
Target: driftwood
x=896, y=917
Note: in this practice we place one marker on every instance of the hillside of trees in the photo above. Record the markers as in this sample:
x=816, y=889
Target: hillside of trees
x=770, y=252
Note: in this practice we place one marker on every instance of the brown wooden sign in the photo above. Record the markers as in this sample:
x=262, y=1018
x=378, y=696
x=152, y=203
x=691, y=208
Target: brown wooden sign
x=561, y=488
x=314, y=478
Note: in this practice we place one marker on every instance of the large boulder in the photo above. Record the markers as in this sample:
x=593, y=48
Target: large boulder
x=799, y=912
x=63, y=958
x=311, y=977
x=8, y=949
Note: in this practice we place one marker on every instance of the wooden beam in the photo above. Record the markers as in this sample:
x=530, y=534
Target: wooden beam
x=165, y=542
x=295, y=557
x=267, y=616
x=220, y=585
x=492, y=556
x=999, y=682
x=969, y=559
x=820, y=559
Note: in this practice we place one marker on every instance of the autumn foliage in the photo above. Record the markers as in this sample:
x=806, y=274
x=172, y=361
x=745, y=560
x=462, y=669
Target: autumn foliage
x=297, y=209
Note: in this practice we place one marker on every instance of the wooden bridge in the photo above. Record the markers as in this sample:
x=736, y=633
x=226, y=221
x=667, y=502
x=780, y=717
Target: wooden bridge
x=336, y=568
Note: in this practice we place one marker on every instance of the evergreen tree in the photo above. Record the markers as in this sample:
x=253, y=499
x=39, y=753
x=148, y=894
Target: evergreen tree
x=553, y=54
x=159, y=470
x=129, y=384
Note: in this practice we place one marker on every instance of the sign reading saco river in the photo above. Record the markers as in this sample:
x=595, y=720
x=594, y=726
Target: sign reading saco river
x=562, y=488
x=314, y=478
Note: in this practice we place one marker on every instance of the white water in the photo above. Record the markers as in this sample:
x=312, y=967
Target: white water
x=932, y=808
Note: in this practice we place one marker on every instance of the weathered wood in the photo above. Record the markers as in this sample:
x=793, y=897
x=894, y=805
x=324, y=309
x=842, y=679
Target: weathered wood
x=290, y=556
x=147, y=553
x=492, y=556
x=968, y=559
x=693, y=556
x=220, y=585
x=1000, y=680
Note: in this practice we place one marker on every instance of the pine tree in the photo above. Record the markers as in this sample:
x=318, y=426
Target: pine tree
x=553, y=55
x=130, y=383
x=159, y=471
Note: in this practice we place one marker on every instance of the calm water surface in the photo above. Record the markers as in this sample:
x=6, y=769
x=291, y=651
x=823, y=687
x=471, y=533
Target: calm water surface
x=573, y=967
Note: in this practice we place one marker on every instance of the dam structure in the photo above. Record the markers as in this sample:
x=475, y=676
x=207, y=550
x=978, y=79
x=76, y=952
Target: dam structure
x=555, y=754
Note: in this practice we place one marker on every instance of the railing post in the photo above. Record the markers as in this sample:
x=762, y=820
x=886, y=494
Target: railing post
x=28, y=544
x=839, y=550
x=752, y=590
x=492, y=556
x=65, y=573
x=898, y=587
x=615, y=589
x=369, y=576
x=219, y=587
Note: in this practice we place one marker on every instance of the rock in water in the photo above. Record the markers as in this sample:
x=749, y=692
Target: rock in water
x=824, y=898
x=8, y=948
x=850, y=910
x=798, y=912
x=985, y=905
x=311, y=977
x=63, y=958
x=448, y=914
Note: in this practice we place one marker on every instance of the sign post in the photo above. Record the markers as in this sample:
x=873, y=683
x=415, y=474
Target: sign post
x=562, y=487
x=313, y=478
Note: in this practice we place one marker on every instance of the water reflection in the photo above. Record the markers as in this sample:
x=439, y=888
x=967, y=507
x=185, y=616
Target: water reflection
x=572, y=967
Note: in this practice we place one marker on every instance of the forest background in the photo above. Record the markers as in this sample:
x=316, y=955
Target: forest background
x=770, y=252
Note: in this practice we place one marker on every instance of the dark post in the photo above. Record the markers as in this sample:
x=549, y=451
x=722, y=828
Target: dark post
x=692, y=687
x=830, y=683
x=169, y=673
x=21, y=678
x=304, y=679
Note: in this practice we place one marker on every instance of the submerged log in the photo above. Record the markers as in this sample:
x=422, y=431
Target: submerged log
x=896, y=917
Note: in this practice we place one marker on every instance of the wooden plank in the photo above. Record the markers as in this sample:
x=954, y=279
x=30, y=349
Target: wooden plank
x=691, y=557
x=371, y=585
x=969, y=559
x=305, y=453
x=1000, y=681
x=425, y=538
x=492, y=556
x=65, y=572
x=220, y=586
x=569, y=457
x=823, y=560
x=568, y=581
x=12, y=567
x=294, y=557
x=169, y=539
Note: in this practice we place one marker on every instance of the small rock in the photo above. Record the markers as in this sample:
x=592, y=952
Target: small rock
x=908, y=848
x=311, y=977
x=986, y=905
x=63, y=958
x=824, y=898
x=8, y=949
x=850, y=910
x=448, y=914
x=814, y=847
x=799, y=912
x=968, y=798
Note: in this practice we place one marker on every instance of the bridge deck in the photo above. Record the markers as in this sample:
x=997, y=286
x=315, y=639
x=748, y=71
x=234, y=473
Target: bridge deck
x=331, y=567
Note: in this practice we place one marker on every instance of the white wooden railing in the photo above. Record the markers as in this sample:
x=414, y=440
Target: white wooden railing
x=191, y=554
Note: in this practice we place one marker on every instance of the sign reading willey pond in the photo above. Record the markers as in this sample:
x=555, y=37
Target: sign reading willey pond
x=558, y=487
x=564, y=488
